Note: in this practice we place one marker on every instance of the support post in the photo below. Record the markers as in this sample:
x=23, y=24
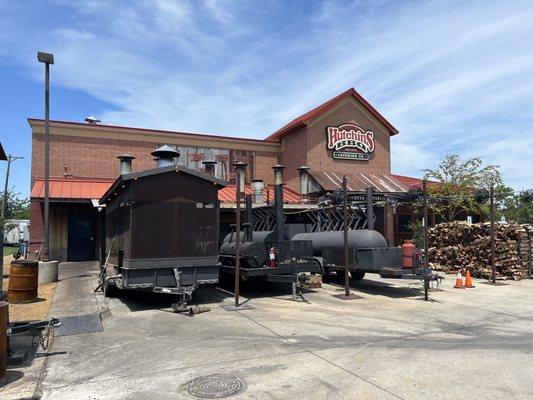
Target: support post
x=239, y=187
x=369, y=195
x=345, y=226
x=278, y=200
x=237, y=242
x=426, y=222
x=249, y=217
x=4, y=317
x=492, y=240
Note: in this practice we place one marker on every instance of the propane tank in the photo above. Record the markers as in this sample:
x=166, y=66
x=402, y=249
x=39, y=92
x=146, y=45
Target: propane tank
x=408, y=254
x=272, y=257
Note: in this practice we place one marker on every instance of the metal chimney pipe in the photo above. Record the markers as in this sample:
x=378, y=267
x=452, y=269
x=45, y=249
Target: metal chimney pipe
x=125, y=163
x=209, y=166
x=369, y=196
x=304, y=183
x=240, y=179
x=278, y=200
x=165, y=156
x=249, y=217
x=278, y=174
x=257, y=190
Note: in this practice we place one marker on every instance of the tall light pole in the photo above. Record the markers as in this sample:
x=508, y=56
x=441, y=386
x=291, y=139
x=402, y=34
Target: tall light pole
x=47, y=59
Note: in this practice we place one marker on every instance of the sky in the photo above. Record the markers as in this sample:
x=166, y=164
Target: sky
x=454, y=77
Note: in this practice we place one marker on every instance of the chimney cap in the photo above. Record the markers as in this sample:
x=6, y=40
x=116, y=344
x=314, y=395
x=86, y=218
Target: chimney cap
x=165, y=151
x=209, y=162
x=303, y=168
x=240, y=164
x=125, y=157
x=278, y=167
x=91, y=119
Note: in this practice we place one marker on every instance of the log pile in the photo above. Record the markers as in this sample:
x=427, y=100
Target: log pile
x=459, y=245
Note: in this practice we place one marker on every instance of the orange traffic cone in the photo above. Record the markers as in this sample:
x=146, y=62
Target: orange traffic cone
x=459, y=281
x=468, y=280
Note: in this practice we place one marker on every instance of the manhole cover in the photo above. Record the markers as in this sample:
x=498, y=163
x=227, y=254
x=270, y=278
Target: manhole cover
x=215, y=386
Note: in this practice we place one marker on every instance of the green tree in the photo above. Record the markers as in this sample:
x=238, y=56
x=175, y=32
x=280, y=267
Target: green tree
x=460, y=186
x=17, y=207
x=514, y=207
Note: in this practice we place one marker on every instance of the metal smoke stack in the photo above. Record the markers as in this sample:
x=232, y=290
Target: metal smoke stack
x=165, y=156
x=125, y=163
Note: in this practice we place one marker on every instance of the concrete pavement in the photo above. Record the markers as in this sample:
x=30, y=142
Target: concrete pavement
x=390, y=344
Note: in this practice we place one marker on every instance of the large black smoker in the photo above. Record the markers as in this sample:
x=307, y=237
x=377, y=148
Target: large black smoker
x=162, y=229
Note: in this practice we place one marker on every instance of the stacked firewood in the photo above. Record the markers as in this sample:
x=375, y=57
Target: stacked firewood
x=459, y=245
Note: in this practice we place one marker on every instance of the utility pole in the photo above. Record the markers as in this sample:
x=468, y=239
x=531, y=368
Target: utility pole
x=10, y=158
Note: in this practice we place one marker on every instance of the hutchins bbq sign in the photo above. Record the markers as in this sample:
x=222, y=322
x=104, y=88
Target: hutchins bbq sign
x=350, y=142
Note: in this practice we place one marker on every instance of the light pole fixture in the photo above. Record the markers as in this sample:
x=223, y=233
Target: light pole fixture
x=47, y=59
x=240, y=168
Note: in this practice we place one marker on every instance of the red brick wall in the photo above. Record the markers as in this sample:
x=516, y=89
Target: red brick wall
x=36, y=227
x=294, y=156
x=320, y=158
x=263, y=166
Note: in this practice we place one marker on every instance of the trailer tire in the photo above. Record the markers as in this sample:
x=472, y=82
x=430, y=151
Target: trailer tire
x=357, y=275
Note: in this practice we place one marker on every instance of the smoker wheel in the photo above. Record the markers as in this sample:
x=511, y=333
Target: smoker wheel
x=357, y=275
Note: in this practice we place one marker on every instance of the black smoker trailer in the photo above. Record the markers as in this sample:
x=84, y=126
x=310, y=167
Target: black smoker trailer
x=162, y=230
x=292, y=258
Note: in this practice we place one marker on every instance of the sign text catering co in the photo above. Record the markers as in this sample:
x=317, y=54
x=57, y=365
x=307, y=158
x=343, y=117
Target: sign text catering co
x=349, y=142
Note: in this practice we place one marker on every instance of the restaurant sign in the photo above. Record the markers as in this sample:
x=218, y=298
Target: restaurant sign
x=350, y=142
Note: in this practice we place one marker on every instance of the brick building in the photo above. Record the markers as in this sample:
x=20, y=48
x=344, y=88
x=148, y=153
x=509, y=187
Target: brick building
x=344, y=136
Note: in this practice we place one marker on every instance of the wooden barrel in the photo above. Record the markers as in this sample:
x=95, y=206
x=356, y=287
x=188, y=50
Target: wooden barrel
x=23, y=281
x=4, y=307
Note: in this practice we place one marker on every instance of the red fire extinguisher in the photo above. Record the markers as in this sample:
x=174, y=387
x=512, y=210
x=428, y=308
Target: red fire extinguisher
x=272, y=257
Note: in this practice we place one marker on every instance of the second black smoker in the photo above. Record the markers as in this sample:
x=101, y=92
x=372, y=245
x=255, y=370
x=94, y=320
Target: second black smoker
x=268, y=255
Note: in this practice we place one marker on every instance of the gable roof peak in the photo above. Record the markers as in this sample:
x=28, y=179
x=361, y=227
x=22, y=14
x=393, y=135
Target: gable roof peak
x=302, y=119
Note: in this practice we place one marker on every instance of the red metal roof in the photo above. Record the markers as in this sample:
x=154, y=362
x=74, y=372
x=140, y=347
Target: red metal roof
x=72, y=189
x=358, y=182
x=86, y=189
x=315, y=112
x=227, y=194
x=413, y=183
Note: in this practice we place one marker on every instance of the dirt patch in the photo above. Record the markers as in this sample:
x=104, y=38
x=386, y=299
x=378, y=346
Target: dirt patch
x=30, y=311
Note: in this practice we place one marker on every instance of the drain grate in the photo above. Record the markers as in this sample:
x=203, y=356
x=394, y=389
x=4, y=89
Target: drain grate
x=79, y=324
x=215, y=386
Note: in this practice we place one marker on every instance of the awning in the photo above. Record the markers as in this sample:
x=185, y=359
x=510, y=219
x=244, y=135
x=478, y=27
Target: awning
x=358, y=182
x=71, y=189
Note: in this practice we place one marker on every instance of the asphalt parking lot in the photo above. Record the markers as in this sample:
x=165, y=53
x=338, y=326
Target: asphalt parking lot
x=388, y=344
